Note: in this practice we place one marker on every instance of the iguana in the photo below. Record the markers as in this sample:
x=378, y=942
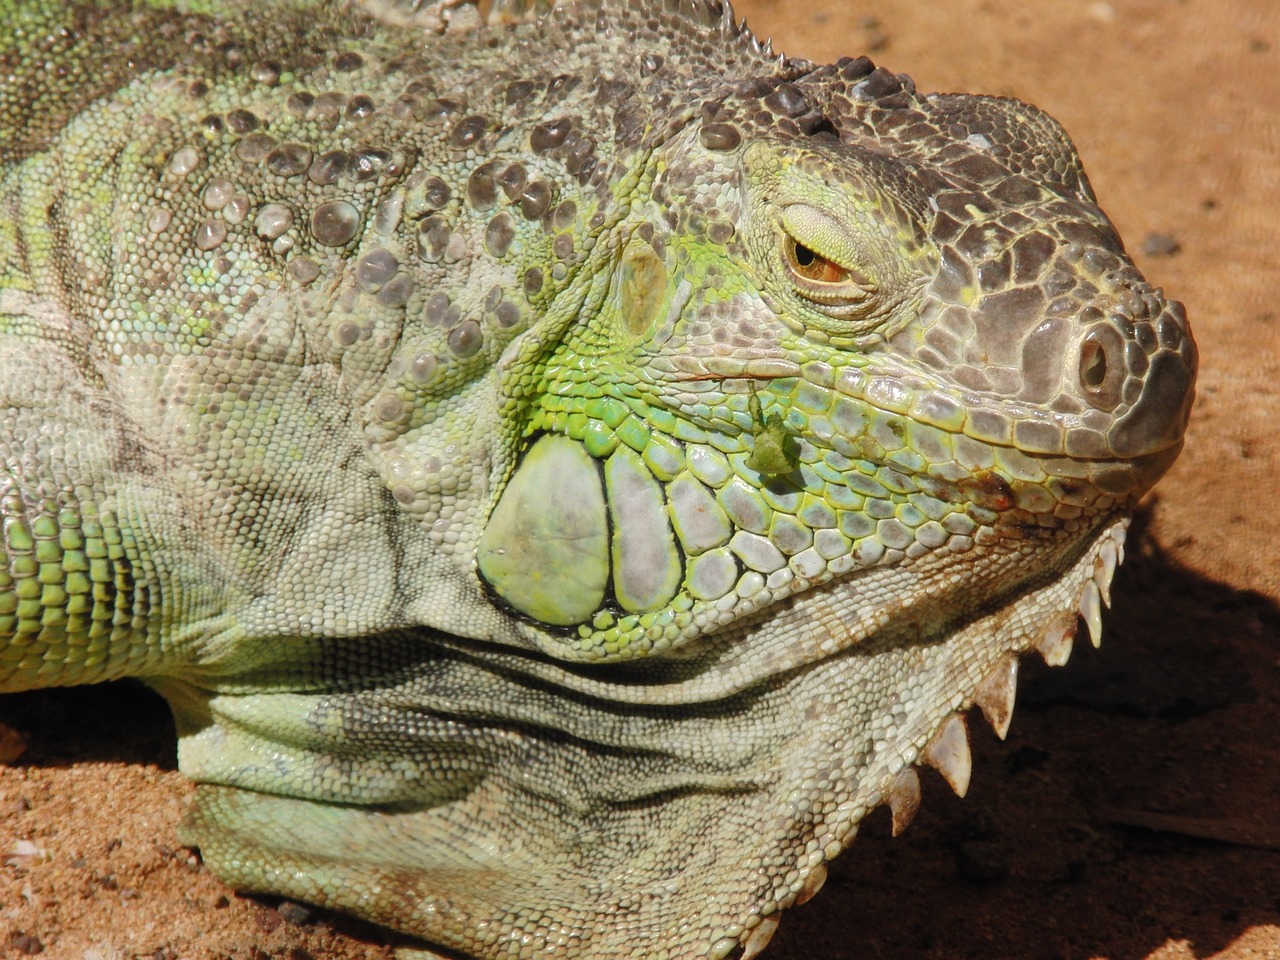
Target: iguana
x=561, y=472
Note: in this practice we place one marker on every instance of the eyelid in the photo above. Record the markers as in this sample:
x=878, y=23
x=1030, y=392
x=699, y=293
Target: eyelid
x=820, y=233
x=810, y=228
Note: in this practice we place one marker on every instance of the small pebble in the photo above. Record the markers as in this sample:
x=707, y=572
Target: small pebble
x=294, y=913
x=26, y=944
x=1161, y=245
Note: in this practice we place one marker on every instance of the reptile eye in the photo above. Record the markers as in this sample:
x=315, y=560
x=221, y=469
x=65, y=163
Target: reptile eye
x=810, y=265
x=839, y=290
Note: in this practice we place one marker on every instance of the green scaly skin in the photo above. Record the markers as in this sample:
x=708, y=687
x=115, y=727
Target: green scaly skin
x=564, y=473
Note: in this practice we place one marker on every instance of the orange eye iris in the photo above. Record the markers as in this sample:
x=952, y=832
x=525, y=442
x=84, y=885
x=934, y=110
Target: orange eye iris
x=813, y=266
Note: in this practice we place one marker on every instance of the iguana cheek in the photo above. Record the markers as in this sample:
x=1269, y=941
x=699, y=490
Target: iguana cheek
x=699, y=521
x=545, y=549
x=567, y=527
x=647, y=568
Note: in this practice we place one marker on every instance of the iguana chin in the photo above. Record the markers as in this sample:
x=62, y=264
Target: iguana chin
x=562, y=473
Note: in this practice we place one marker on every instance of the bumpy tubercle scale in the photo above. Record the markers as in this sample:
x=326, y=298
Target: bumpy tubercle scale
x=562, y=473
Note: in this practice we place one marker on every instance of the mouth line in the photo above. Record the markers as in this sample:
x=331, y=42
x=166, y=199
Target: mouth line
x=997, y=422
x=823, y=628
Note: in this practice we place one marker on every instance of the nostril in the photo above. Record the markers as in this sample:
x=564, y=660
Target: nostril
x=1093, y=365
x=1102, y=369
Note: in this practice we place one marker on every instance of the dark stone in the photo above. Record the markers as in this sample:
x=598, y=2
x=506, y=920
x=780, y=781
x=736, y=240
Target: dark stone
x=1160, y=245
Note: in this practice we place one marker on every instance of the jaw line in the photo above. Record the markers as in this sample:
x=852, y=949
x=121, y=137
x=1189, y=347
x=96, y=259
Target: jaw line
x=730, y=663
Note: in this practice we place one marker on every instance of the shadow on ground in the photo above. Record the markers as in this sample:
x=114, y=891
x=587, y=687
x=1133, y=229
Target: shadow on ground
x=1132, y=805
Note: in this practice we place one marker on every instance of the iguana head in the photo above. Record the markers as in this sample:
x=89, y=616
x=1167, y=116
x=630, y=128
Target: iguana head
x=761, y=413
x=843, y=327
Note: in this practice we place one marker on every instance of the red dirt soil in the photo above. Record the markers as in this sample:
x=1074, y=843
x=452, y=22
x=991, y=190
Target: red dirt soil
x=1132, y=813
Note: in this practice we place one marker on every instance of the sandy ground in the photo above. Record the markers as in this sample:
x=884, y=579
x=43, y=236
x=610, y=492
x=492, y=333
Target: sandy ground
x=1132, y=811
